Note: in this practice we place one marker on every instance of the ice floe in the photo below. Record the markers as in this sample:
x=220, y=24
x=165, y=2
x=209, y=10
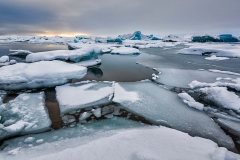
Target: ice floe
x=125, y=51
x=219, y=50
x=72, y=55
x=88, y=63
x=72, y=97
x=25, y=114
x=4, y=61
x=215, y=58
x=163, y=107
x=39, y=74
x=144, y=143
x=19, y=52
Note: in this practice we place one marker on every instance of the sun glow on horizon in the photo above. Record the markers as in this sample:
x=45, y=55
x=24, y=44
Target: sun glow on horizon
x=64, y=34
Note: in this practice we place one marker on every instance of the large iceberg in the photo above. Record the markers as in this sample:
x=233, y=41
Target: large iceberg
x=39, y=74
x=25, y=114
x=87, y=52
x=72, y=97
x=163, y=107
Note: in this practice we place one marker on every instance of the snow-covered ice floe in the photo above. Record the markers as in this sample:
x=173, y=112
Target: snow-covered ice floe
x=88, y=52
x=4, y=61
x=190, y=101
x=145, y=143
x=219, y=50
x=163, y=107
x=125, y=51
x=25, y=114
x=39, y=74
x=72, y=97
x=182, y=78
x=19, y=52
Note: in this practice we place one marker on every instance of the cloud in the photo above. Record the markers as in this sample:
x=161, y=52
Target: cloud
x=108, y=17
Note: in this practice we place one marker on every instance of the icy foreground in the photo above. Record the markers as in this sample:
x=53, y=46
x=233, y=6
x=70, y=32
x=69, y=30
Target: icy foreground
x=72, y=55
x=146, y=143
x=39, y=74
x=163, y=107
x=23, y=115
x=72, y=97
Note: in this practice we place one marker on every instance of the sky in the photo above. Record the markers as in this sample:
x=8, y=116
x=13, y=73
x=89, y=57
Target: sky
x=114, y=17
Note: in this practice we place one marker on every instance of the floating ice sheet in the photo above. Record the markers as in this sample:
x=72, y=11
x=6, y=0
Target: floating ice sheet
x=181, y=78
x=72, y=97
x=24, y=114
x=88, y=63
x=163, y=107
x=146, y=143
x=125, y=51
x=39, y=74
x=58, y=140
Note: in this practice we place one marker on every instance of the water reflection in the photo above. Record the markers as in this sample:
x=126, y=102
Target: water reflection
x=94, y=71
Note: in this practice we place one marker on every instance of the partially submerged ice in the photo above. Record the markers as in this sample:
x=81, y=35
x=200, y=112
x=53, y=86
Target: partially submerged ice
x=72, y=97
x=87, y=52
x=25, y=114
x=39, y=74
x=163, y=107
x=88, y=63
x=19, y=52
x=144, y=143
x=182, y=78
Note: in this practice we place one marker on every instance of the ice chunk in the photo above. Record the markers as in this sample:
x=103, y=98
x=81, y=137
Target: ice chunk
x=72, y=55
x=29, y=140
x=181, y=78
x=97, y=112
x=172, y=38
x=190, y=101
x=146, y=144
x=4, y=59
x=39, y=141
x=25, y=114
x=163, y=107
x=84, y=116
x=39, y=74
x=125, y=51
x=223, y=154
x=19, y=52
x=72, y=97
x=88, y=63
x=222, y=97
x=215, y=58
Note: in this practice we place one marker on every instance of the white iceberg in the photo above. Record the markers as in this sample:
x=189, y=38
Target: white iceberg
x=72, y=97
x=163, y=107
x=39, y=74
x=25, y=114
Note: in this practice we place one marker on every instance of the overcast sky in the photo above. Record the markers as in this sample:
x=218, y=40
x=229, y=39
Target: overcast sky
x=113, y=17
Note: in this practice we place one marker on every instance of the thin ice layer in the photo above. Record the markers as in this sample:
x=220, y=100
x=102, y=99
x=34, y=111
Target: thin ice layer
x=72, y=97
x=149, y=143
x=39, y=74
x=25, y=114
x=181, y=78
x=163, y=107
